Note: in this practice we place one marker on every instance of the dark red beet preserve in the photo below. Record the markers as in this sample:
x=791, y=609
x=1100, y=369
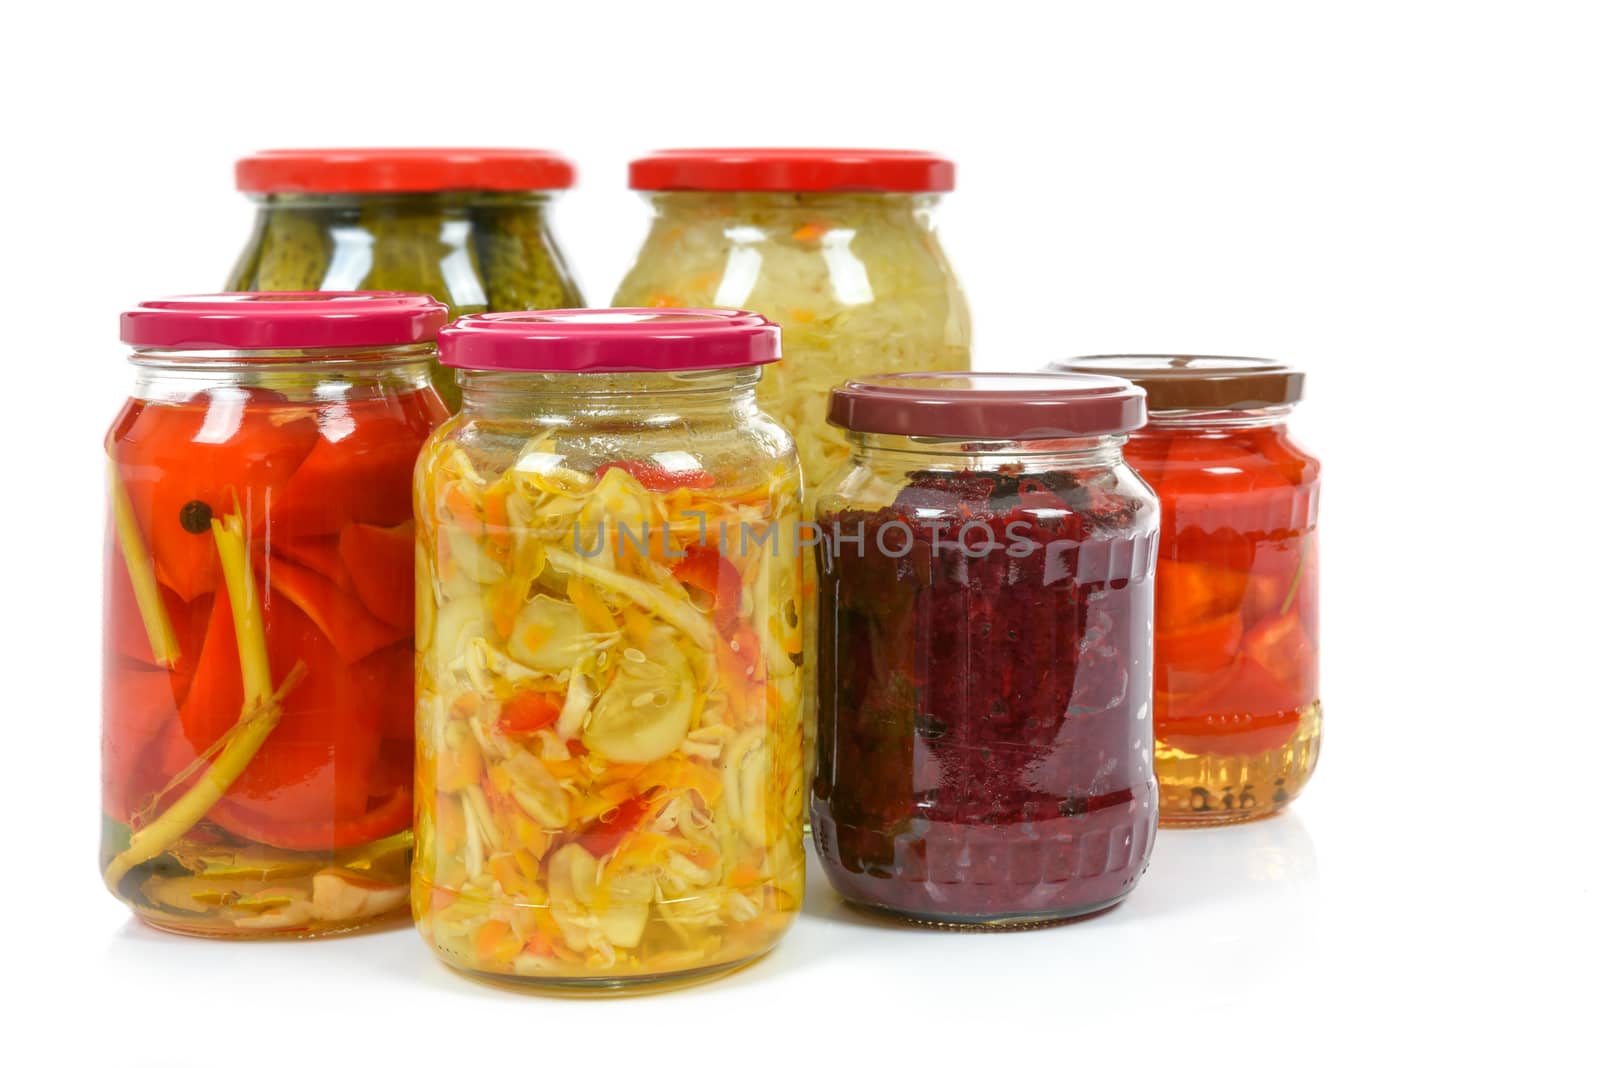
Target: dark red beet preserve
x=984, y=716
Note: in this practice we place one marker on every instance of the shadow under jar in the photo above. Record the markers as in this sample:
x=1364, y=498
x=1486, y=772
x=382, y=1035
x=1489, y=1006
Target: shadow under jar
x=1237, y=706
x=257, y=739
x=984, y=609
x=609, y=775
x=468, y=226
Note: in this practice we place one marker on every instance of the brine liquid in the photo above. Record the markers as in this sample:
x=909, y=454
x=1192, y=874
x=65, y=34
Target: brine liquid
x=1208, y=788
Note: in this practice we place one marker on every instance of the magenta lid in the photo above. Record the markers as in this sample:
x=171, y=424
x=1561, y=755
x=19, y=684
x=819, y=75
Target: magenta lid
x=598, y=340
x=988, y=405
x=330, y=320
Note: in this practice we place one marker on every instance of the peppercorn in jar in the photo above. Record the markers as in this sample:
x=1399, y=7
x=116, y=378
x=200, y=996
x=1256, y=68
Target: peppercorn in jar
x=1237, y=705
x=985, y=591
x=257, y=710
x=470, y=226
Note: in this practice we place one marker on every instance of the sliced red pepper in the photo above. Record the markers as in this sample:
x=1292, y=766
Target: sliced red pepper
x=1191, y=593
x=358, y=471
x=387, y=815
x=354, y=631
x=1281, y=647
x=319, y=554
x=381, y=564
x=527, y=711
x=139, y=705
x=184, y=463
x=606, y=833
x=1189, y=659
x=659, y=479
x=708, y=571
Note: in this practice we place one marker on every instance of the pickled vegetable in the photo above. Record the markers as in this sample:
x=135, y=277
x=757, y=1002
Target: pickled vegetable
x=257, y=683
x=474, y=251
x=608, y=712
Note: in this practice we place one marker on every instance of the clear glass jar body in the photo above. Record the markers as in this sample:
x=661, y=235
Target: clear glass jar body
x=256, y=742
x=984, y=724
x=609, y=775
x=857, y=281
x=475, y=251
x=1238, y=715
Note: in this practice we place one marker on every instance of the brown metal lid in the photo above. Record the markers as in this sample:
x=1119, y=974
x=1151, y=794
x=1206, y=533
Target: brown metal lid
x=1199, y=383
x=990, y=406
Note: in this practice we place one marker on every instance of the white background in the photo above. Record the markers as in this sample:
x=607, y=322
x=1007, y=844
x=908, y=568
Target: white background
x=1402, y=197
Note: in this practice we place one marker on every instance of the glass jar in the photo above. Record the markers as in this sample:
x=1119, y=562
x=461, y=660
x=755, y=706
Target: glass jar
x=836, y=246
x=609, y=774
x=257, y=739
x=986, y=587
x=1238, y=716
x=468, y=226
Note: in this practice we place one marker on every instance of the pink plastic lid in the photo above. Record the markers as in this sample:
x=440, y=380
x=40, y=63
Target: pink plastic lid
x=993, y=406
x=598, y=340
x=330, y=320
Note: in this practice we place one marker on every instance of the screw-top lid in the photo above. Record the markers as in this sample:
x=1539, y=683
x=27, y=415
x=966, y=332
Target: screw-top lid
x=600, y=340
x=793, y=170
x=401, y=170
x=284, y=321
x=989, y=406
x=1199, y=383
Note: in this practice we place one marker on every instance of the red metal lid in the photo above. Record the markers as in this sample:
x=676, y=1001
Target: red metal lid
x=401, y=170
x=599, y=340
x=1199, y=383
x=991, y=406
x=284, y=321
x=794, y=170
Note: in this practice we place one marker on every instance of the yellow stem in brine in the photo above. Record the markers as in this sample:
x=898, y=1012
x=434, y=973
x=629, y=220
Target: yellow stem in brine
x=141, y=573
x=259, y=714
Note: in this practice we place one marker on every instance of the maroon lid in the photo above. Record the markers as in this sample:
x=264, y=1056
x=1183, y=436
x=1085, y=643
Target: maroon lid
x=793, y=170
x=401, y=170
x=990, y=406
x=1199, y=383
x=329, y=320
x=598, y=340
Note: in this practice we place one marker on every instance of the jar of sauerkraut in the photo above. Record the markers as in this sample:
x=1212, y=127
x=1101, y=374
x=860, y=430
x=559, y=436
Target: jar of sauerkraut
x=986, y=585
x=837, y=246
x=1238, y=712
x=257, y=734
x=469, y=226
x=609, y=760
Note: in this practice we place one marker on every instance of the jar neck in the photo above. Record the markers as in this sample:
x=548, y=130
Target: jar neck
x=1220, y=419
x=830, y=210
x=964, y=454
x=298, y=374
x=441, y=202
x=652, y=397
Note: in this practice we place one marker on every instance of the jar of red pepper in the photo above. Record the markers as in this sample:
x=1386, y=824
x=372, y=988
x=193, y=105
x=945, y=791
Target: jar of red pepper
x=985, y=594
x=1237, y=709
x=257, y=711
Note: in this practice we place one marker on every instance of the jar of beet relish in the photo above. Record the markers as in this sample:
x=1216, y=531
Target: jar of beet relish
x=985, y=568
x=1238, y=715
x=257, y=708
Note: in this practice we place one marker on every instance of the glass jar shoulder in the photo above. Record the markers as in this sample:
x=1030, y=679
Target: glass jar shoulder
x=475, y=252
x=816, y=264
x=1193, y=462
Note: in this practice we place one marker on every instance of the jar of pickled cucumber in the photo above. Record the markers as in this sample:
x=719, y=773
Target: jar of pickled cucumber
x=1237, y=706
x=469, y=226
x=609, y=766
x=985, y=585
x=257, y=710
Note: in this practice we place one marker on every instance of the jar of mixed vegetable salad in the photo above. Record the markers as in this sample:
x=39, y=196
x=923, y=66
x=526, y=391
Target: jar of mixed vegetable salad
x=470, y=226
x=1238, y=712
x=609, y=769
x=837, y=246
x=257, y=735
x=985, y=593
